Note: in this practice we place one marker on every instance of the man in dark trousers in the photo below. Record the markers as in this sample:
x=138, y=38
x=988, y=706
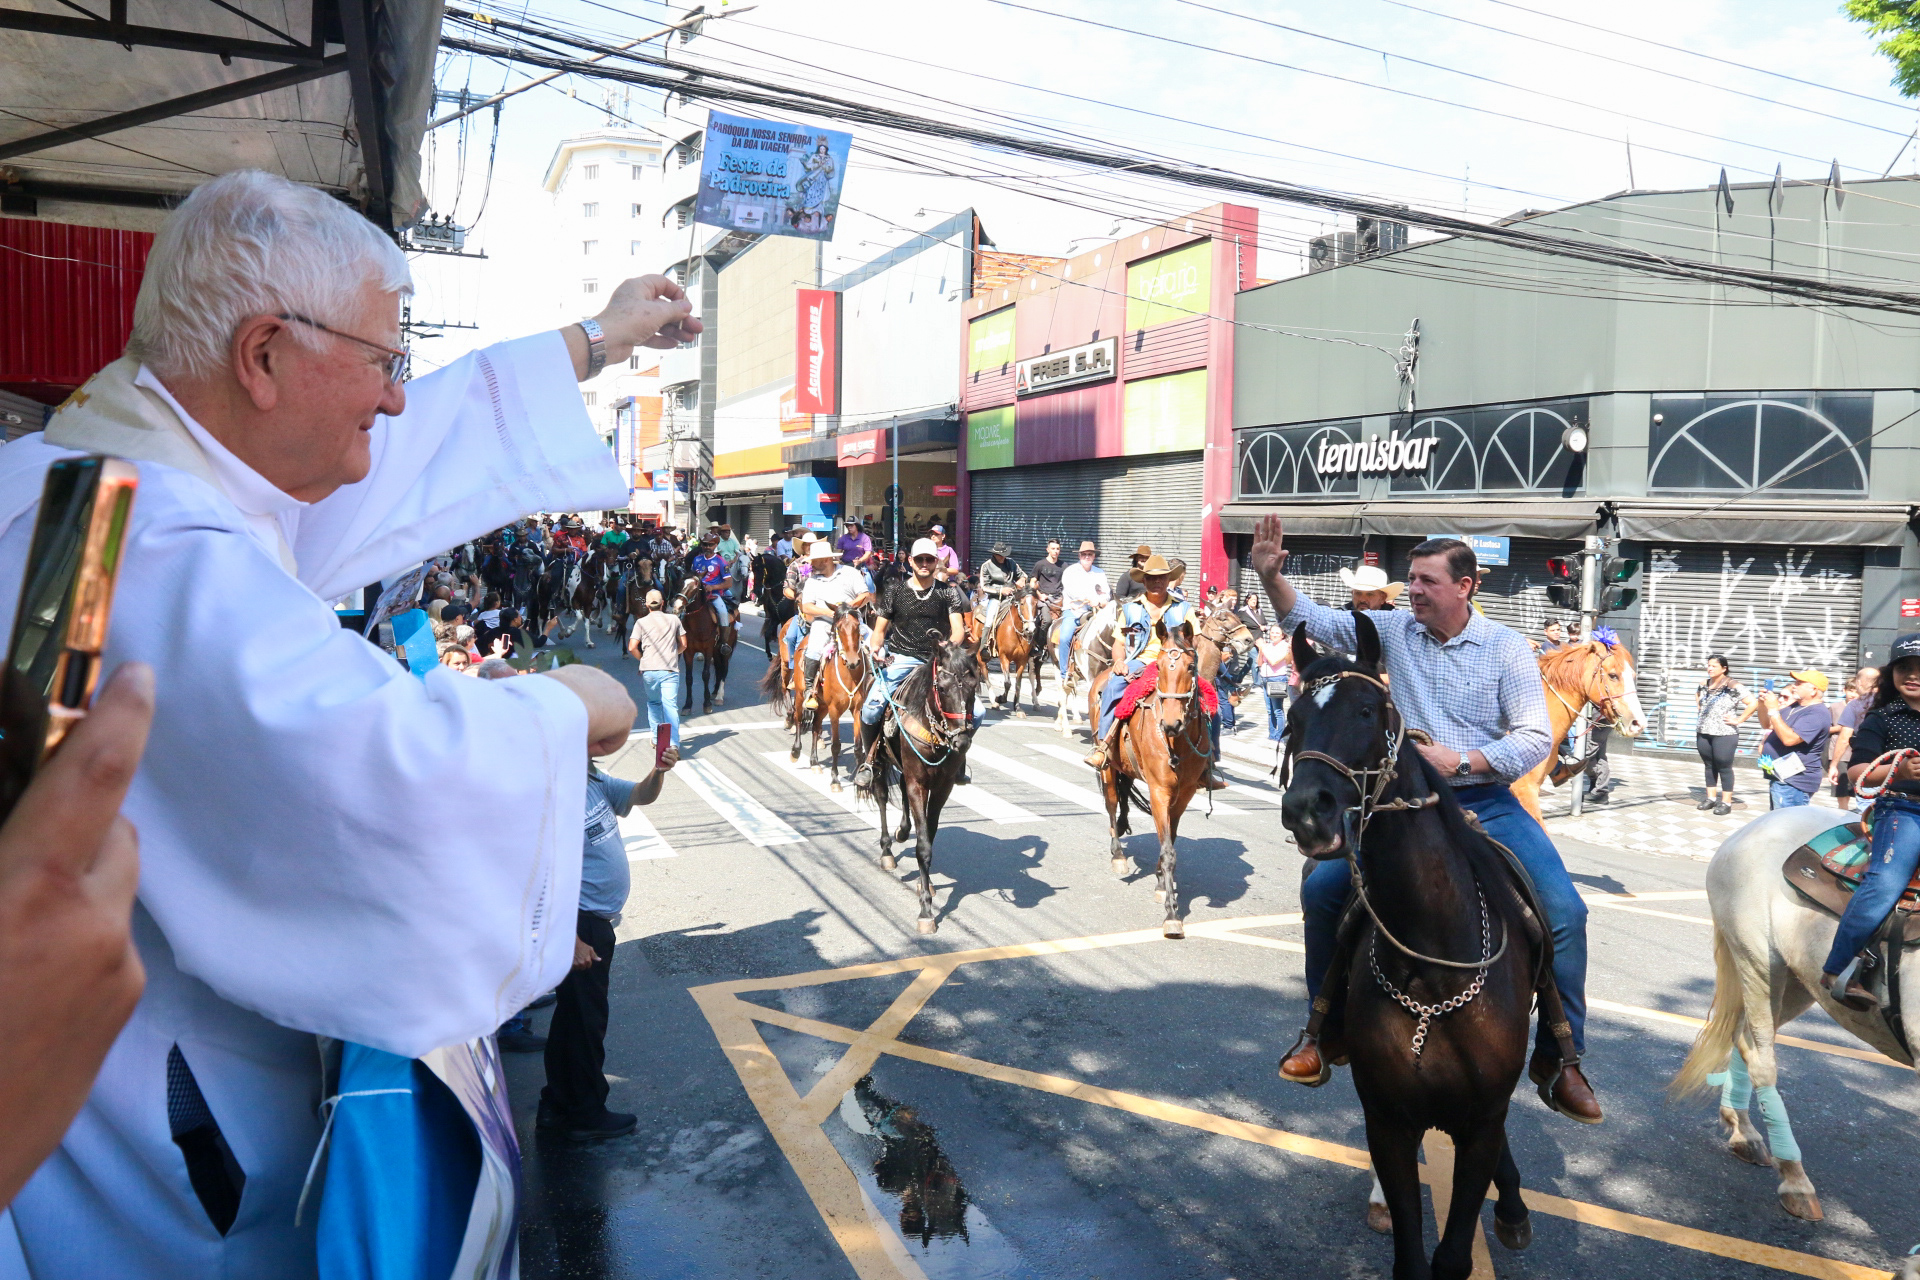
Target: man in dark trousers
x=574, y=1103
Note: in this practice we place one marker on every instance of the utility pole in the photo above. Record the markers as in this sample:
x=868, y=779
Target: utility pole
x=893, y=438
x=1590, y=555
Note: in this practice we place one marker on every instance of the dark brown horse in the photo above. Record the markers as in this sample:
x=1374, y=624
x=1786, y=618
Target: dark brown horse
x=841, y=687
x=1164, y=745
x=1434, y=1006
x=706, y=639
x=925, y=752
x=1019, y=638
x=627, y=593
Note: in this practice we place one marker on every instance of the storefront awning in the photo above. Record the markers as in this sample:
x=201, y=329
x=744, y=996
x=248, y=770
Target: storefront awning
x=1532, y=518
x=739, y=486
x=917, y=435
x=1839, y=522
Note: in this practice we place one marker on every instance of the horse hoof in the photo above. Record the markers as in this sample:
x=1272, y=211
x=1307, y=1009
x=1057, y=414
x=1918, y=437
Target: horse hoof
x=1514, y=1235
x=887, y=862
x=1380, y=1218
x=1173, y=929
x=834, y=785
x=794, y=756
x=928, y=926
x=1160, y=896
x=1121, y=866
x=1804, y=1205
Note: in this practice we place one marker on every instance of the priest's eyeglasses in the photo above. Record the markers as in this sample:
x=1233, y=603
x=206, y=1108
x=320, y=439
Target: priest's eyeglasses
x=399, y=357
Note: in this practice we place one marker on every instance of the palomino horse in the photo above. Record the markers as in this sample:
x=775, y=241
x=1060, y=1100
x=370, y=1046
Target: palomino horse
x=1590, y=673
x=841, y=687
x=1018, y=640
x=1092, y=646
x=1435, y=1043
x=927, y=747
x=707, y=640
x=1163, y=743
x=1769, y=945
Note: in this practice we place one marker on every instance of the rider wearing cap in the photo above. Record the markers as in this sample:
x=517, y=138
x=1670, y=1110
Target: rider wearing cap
x=1083, y=588
x=913, y=615
x=1893, y=723
x=856, y=549
x=1136, y=643
x=714, y=573
x=999, y=576
x=1474, y=688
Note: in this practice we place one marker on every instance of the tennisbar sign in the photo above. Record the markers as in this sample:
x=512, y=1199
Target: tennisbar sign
x=1374, y=454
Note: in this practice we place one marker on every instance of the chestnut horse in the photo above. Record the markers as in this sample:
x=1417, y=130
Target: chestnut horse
x=845, y=673
x=1593, y=673
x=1164, y=743
x=1435, y=1043
x=1018, y=641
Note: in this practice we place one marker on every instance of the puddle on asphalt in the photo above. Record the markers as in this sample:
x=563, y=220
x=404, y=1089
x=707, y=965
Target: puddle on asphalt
x=897, y=1157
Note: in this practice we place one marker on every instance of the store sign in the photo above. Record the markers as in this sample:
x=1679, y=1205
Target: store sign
x=1092, y=362
x=990, y=436
x=859, y=448
x=990, y=342
x=816, y=375
x=1910, y=608
x=953, y=491
x=660, y=482
x=1373, y=454
x=1490, y=551
x=791, y=419
x=1171, y=287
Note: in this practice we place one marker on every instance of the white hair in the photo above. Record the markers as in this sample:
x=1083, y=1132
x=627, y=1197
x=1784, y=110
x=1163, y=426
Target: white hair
x=251, y=243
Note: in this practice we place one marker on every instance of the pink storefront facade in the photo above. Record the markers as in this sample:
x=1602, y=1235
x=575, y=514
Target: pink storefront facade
x=1097, y=398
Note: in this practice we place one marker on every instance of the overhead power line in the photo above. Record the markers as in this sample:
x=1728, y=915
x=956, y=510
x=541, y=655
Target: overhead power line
x=710, y=84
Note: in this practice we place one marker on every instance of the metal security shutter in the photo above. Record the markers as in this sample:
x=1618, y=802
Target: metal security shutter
x=1313, y=566
x=759, y=518
x=1516, y=593
x=1769, y=609
x=1118, y=502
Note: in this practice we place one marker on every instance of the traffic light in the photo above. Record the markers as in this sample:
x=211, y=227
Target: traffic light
x=1615, y=570
x=1563, y=588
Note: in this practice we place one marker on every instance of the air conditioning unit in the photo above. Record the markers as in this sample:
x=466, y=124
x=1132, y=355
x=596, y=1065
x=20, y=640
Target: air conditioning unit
x=1376, y=236
x=1325, y=252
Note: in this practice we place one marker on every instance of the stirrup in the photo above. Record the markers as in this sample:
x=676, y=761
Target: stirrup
x=1306, y=1038
x=1863, y=1001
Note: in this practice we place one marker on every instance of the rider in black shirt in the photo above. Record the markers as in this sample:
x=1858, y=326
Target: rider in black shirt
x=913, y=615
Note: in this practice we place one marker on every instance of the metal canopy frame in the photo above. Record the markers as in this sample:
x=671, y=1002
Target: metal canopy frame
x=337, y=22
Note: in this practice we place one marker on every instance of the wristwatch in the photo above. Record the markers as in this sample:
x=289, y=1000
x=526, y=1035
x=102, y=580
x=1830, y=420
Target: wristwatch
x=1465, y=768
x=596, y=348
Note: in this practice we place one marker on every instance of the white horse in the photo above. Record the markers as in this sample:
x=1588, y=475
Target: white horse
x=1092, y=649
x=1768, y=948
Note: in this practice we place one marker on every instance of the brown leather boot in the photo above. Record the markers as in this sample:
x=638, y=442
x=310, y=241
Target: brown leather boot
x=1304, y=1064
x=1214, y=781
x=1564, y=1088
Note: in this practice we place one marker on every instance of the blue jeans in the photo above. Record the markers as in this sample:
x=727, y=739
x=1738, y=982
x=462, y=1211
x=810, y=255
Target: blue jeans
x=1323, y=897
x=792, y=635
x=663, y=700
x=1896, y=852
x=890, y=677
x=1116, y=687
x=1276, y=714
x=1069, y=623
x=1787, y=796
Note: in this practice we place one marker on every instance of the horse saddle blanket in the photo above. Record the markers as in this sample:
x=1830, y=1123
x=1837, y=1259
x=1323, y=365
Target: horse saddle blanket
x=1826, y=869
x=1142, y=686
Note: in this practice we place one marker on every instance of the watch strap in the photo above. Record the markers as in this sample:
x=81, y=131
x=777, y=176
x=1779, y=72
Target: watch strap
x=596, y=347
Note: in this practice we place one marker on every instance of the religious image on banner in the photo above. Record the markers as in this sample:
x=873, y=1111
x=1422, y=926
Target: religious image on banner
x=772, y=179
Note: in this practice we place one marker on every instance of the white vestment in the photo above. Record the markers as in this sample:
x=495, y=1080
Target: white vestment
x=328, y=844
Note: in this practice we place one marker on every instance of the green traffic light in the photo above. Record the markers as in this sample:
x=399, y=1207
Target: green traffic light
x=1612, y=598
x=1618, y=569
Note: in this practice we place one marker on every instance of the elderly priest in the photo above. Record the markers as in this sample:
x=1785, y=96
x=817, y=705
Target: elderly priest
x=289, y=888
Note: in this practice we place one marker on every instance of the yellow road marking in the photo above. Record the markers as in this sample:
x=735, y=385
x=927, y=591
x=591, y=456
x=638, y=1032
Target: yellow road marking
x=877, y=1252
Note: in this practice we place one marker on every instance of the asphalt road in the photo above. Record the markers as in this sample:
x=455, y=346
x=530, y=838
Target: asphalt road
x=1109, y=1108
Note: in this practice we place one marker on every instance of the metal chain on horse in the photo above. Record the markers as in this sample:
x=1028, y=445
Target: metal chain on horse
x=1428, y=1012
x=943, y=736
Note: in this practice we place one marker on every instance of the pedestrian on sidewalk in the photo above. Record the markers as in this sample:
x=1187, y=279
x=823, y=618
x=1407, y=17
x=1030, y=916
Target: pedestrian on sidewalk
x=1845, y=724
x=1275, y=657
x=573, y=1104
x=657, y=641
x=1723, y=706
x=1791, y=755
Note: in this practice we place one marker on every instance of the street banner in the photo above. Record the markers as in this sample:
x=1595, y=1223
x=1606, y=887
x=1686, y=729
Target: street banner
x=772, y=179
x=816, y=370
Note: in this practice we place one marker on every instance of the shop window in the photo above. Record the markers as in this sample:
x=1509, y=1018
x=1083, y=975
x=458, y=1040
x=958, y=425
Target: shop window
x=1284, y=461
x=1507, y=448
x=1795, y=443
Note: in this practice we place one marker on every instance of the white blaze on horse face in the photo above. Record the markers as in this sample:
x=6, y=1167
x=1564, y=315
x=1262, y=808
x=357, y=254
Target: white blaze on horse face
x=1323, y=695
x=1636, y=717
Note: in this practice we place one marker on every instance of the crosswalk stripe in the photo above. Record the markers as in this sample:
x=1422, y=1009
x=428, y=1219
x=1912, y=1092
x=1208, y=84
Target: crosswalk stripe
x=1038, y=779
x=643, y=840
x=1071, y=756
x=749, y=817
x=981, y=801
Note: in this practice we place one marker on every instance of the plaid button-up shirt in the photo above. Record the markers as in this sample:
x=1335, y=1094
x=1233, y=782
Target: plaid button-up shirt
x=1479, y=691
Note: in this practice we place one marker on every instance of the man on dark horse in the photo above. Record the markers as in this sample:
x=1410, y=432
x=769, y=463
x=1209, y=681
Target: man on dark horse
x=999, y=577
x=1472, y=687
x=913, y=615
x=1136, y=645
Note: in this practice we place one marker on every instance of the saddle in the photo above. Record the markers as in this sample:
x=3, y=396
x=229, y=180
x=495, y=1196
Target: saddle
x=1826, y=870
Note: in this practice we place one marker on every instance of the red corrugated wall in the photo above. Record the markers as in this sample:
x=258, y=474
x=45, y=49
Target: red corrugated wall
x=66, y=302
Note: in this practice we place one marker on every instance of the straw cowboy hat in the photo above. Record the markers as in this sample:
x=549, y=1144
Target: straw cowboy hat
x=1152, y=566
x=1371, y=578
x=822, y=550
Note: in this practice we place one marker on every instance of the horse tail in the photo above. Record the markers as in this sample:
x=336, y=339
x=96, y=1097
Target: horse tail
x=773, y=685
x=1714, y=1044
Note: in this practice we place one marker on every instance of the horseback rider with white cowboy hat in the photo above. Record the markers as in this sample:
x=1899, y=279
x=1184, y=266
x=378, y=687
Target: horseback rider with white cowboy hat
x=1136, y=644
x=1083, y=588
x=832, y=584
x=1370, y=587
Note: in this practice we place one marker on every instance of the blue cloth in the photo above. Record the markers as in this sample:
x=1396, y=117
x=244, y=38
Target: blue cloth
x=1323, y=896
x=792, y=634
x=401, y=1171
x=1896, y=854
x=663, y=700
x=604, y=877
x=891, y=675
x=1068, y=625
x=1137, y=623
x=1787, y=796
